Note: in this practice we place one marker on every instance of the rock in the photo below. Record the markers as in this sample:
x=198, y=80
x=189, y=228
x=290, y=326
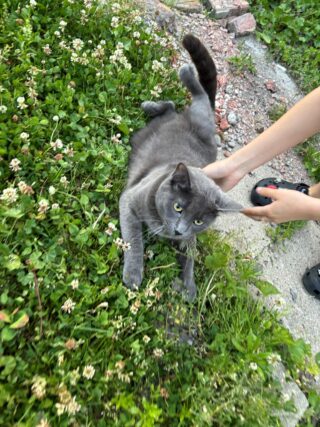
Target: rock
x=259, y=124
x=166, y=20
x=242, y=25
x=190, y=6
x=271, y=85
x=218, y=140
x=290, y=390
x=224, y=125
x=226, y=8
x=232, y=118
x=231, y=143
x=226, y=153
x=229, y=89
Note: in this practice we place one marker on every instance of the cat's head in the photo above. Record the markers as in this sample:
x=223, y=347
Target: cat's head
x=188, y=202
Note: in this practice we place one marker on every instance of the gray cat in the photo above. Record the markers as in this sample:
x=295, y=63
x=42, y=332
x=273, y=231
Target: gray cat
x=166, y=189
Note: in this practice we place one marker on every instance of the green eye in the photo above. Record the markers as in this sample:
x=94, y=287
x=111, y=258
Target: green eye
x=177, y=207
x=198, y=222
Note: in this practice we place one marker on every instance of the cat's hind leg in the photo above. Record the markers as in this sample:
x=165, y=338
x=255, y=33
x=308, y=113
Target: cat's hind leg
x=159, y=108
x=200, y=112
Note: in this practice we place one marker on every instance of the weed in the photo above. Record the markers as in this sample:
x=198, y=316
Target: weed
x=242, y=63
x=277, y=111
x=281, y=232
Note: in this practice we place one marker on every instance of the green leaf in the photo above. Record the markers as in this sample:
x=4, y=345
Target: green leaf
x=124, y=128
x=21, y=322
x=13, y=263
x=84, y=199
x=266, y=288
x=12, y=213
x=217, y=260
x=7, y=334
x=9, y=363
x=265, y=37
x=237, y=345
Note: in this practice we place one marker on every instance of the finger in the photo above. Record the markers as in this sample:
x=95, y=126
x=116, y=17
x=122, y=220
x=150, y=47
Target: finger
x=259, y=211
x=268, y=192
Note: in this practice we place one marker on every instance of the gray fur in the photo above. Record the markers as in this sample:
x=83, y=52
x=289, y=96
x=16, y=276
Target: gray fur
x=159, y=179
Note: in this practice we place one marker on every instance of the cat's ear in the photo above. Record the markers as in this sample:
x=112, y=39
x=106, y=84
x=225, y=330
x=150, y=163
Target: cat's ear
x=225, y=203
x=180, y=178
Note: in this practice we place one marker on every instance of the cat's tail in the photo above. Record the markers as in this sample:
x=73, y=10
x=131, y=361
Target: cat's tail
x=204, y=64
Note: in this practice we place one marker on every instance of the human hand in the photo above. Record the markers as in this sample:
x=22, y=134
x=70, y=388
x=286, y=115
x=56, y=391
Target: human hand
x=224, y=173
x=287, y=205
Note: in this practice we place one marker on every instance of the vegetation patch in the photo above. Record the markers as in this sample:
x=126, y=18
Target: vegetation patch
x=76, y=347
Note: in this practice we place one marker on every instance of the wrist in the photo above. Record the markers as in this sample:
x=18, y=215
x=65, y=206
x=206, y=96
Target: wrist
x=314, y=208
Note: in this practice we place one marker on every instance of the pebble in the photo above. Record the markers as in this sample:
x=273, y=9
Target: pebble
x=224, y=125
x=232, y=118
x=231, y=143
x=218, y=140
x=226, y=153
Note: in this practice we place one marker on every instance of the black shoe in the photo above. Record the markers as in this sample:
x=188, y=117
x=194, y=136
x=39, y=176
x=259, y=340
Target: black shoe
x=274, y=183
x=311, y=281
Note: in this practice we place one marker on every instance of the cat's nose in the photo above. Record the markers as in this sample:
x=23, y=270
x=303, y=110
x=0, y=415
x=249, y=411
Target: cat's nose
x=177, y=233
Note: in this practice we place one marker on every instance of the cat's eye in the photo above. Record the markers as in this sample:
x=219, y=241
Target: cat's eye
x=198, y=222
x=177, y=207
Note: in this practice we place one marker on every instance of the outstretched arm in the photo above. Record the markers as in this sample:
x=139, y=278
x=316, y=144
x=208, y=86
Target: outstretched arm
x=294, y=127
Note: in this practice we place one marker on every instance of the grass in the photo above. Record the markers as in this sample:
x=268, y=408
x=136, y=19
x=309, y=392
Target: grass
x=76, y=347
x=242, y=64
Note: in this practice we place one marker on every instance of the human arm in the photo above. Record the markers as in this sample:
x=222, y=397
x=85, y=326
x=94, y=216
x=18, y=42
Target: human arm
x=298, y=124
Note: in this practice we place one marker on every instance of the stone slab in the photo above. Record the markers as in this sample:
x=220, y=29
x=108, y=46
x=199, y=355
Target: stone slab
x=227, y=8
x=188, y=6
x=242, y=25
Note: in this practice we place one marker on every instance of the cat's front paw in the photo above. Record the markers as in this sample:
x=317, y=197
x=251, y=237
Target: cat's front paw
x=187, y=289
x=132, y=277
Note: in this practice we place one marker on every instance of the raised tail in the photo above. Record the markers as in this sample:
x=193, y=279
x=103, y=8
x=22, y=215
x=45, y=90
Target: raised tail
x=204, y=64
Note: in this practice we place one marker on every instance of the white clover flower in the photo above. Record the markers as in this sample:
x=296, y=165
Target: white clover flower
x=33, y=3
x=9, y=195
x=74, y=376
x=43, y=206
x=77, y=44
x=69, y=151
x=64, y=181
x=47, y=50
x=39, y=387
x=57, y=144
x=111, y=228
x=156, y=92
x=135, y=307
x=62, y=25
x=114, y=21
x=126, y=246
x=24, y=188
x=116, y=138
x=88, y=372
x=57, y=33
x=115, y=7
x=136, y=34
x=15, y=165
x=74, y=284
x=43, y=423
x=68, y=306
x=52, y=190
x=146, y=339
x=55, y=206
x=55, y=118
x=3, y=109
x=137, y=20
x=24, y=136
x=21, y=103
x=157, y=352
x=116, y=119
x=73, y=407
x=253, y=366
x=156, y=65
x=60, y=359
